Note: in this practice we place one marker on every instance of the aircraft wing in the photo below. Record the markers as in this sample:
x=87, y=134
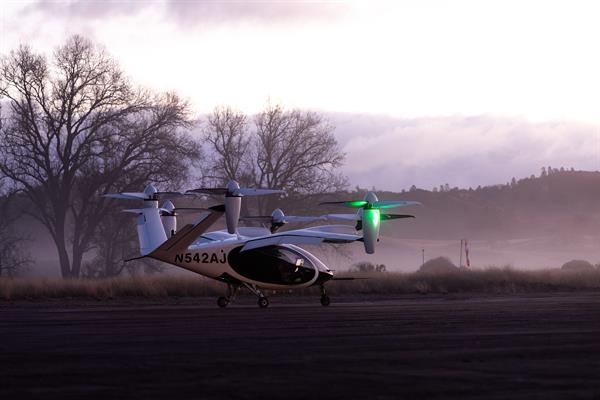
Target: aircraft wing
x=343, y=217
x=345, y=229
x=300, y=236
x=253, y=231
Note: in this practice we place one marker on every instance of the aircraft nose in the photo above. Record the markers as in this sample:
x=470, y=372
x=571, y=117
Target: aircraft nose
x=324, y=276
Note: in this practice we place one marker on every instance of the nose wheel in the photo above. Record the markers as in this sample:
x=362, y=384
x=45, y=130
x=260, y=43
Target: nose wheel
x=263, y=302
x=222, y=302
x=232, y=291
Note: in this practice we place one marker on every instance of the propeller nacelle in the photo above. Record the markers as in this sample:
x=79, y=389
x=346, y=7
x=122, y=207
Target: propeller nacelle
x=168, y=216
x=277, y=219
x=151, y=191
x=369, y=216
x=150, y=196
x=233, y=199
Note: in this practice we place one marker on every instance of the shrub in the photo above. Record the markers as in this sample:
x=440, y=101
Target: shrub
x=577, y=265
x=365, y=266
x=437, y=265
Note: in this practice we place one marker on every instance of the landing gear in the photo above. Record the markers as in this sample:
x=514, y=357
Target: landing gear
x=325, y=300
x=263, y=302
x=222, y=302
x=232, y=291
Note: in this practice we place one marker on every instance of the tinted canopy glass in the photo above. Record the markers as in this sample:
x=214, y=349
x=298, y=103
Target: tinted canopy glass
x=272, y=264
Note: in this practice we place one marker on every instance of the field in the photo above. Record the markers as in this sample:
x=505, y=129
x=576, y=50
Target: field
x=491, y=333
x=514, y=346
x=487, y=281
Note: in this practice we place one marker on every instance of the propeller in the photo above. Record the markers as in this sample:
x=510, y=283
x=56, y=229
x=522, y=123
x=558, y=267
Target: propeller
x=278, y=219
x=233, y=199
x=356, y=217
x=169, y=210
x=375, y=204
x=233, y=189
x=150, y=193
x=369, y=216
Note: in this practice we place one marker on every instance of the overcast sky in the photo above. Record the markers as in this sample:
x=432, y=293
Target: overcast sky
x=423, y=92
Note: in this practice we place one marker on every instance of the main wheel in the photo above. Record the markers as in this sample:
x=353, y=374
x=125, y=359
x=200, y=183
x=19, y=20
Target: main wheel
x=263, y=302
x=325, y=301
x=222, y=302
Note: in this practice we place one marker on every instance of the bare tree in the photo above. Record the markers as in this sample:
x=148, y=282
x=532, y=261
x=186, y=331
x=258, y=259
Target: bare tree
x=76, y=126
x=14, y=257
x=295, y=151
x=291, y=150
x=227, y=134
x=114, y=239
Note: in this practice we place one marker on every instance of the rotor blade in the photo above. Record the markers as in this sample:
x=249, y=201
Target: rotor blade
x=394, y=203
x=354, y=203
x=221, y=191
x=257, y=192
x=343, y=217
x=127, y=196
x=170, y=194
x=298, y=218
x=189, y=209
x=134, y=210
x=394, y=216
x=265, y=219
x=137, y=195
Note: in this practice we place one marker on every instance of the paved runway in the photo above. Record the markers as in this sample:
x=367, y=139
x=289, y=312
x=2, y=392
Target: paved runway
x=408, y=347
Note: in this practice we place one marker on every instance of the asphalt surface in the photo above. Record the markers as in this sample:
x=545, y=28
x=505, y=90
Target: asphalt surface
x=533, y=347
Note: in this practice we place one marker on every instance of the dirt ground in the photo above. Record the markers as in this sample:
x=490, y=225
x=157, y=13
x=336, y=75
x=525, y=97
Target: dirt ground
x=517, y=347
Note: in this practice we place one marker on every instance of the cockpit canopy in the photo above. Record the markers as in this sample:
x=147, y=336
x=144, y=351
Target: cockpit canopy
x=273, y=264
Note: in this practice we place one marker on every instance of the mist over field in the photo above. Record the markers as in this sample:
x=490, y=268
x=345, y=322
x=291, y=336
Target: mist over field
x=531, y=223
x=518, y=191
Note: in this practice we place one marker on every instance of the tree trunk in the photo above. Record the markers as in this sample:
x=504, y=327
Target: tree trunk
x=63, y=256
x=76, y=263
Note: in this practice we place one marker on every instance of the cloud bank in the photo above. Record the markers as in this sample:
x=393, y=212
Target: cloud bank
x=193, y=13
x=393, y=153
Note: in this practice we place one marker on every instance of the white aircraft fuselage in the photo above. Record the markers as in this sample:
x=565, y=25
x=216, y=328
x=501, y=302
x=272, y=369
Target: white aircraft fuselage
x=280, y=266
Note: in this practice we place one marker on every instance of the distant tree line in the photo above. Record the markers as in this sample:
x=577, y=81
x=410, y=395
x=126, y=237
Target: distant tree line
x=545, y=171
x=73, y=126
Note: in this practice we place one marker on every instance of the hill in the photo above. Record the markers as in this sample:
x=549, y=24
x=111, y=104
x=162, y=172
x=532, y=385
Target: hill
x=540, y=221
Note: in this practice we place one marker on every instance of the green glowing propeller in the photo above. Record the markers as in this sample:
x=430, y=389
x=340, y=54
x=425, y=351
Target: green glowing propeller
x=371, y=205
x=369, y=217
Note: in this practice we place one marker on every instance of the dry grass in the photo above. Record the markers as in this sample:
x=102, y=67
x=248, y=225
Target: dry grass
x=490, y=280
x=114, y=288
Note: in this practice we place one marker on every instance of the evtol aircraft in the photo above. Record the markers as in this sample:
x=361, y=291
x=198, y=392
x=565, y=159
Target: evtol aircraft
x=251, y=257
